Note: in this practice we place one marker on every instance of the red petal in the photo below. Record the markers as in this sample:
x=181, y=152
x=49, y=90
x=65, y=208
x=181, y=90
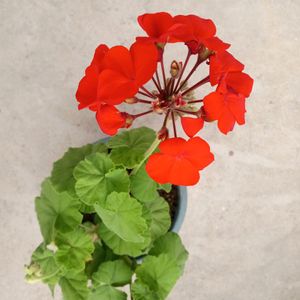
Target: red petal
x=86, y=93
x=172, y=146
x=156, y=24
x=240, y=82
x=119, y=59
x=191, y=126
x=97, y=61
x=221, y=63
x=197, y=151
x=236, y=104
x=197, y=28
x=114, y=87
x=167, y=169
x=109, y=119
x=226, y=121
x=144, y=58
x=214, y=43
x=213, y=105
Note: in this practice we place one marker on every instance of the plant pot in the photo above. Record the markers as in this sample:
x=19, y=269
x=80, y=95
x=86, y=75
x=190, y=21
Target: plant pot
x=181, y=204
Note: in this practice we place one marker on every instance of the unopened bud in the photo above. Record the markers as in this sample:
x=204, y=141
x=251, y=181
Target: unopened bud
x=163, y=133
x=128, y=119
x=156, y=106
x=132, y=100
x=175, y=69
x=204, y=53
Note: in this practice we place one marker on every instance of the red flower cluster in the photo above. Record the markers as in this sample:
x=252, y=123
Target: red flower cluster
x=119, y=75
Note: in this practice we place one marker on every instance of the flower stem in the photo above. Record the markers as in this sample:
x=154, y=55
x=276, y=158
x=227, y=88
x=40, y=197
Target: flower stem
x=196, y=85
x=174, y=125
x=183, y=69
x=195, y=101
x=144, y=101
x=163, y=71
x=147, y=92
x=142, y=114
x=144, y=94
x=158, y=80
x=156, y=84
x=189, y=75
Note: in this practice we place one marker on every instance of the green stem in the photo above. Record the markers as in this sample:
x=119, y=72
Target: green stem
x=150, y=150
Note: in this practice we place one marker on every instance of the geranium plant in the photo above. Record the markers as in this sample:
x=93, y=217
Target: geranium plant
x=104, y=212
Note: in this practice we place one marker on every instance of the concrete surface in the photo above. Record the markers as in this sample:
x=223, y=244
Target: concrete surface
x=242, y=227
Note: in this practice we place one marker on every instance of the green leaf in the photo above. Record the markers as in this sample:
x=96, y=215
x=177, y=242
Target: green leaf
x=141, y=291
x=56, y=211
x=122, y=215
x=62, y=173
x=43, y=267
x=74, y=287
x=167, y=187
x=170, y=244
x=129, y=147
x=96, y=178
x=122, y=247
x=74, y=250
x=142, y=186
x=116, y=273
x=107, y=292
x=159, y=214
x=159, y=274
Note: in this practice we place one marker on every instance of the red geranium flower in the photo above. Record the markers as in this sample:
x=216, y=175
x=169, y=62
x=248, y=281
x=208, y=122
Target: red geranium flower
x=179, y=161
x=158, y=26
x=126, y=71
x=227, y=104
x=197, y=32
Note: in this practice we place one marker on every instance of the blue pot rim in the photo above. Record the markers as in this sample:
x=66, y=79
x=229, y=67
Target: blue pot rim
x=181, y=204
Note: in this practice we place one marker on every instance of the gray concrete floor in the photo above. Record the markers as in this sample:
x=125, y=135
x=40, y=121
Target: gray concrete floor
x=242, y=227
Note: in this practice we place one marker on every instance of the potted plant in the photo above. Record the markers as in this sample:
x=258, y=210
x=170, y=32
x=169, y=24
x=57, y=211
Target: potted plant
x=109, y=211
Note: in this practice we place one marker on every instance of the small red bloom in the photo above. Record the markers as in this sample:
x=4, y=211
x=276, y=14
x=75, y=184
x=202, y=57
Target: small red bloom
x=110, y=119
x=126, y=71
x=191, y=126
x=179, y=161
x=221, y=63
x=197, y=32
x=158, y=26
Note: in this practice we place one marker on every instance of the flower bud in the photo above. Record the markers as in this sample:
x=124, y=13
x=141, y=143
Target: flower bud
x=132, y=100
x=204, y=53
x=163, y=133
x=175, y=69
x=128, y=119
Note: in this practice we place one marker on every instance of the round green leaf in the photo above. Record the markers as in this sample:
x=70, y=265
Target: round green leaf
x=122, y=247
x=56, y=211
x=122, y=215
x=96, y=178
x=129, y=147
